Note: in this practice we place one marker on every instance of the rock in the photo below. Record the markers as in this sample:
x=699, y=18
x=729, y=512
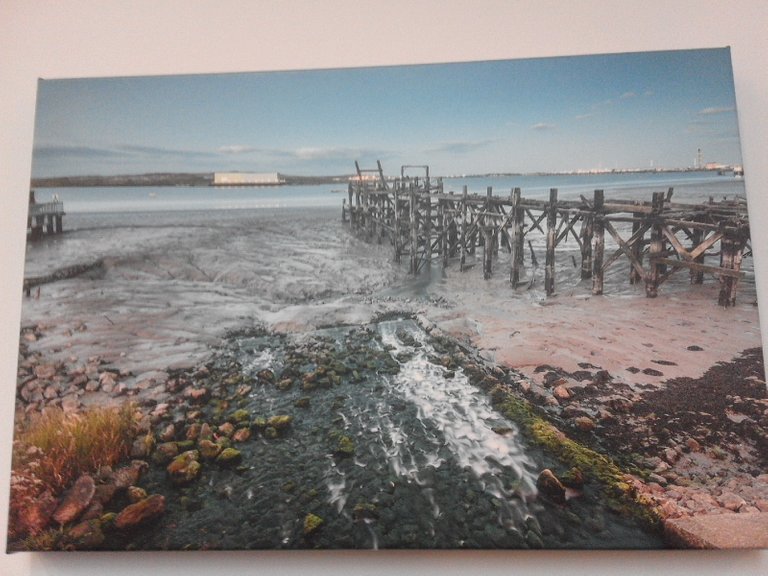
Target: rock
x=561, y=392
x=95, y=510
x=165, y=452
x=574, y=478
x=280, y=422
x=239, y=416
x=364, y=511
x=302, y=402
x=312, y=524
x=129, y=475
x=136, y=494
x=671, y=455
x=206, y=433
x=184, y=468
x=209, y=450
x=345, y=447
x=45, y=371
x=270, y=433
x=142, y=447
x=619, y=403
x=285, y=384
x=226, y=429
x=168, y=433
x=549, y=486
x=86, y=534
x=266, y=376
x=229, y=457
x=76, y=500
x=193, y=432
x=584, y=423
x=140, y=512
x=693, y=445
x=241, y=435
x=34, y=518
x=731, y=501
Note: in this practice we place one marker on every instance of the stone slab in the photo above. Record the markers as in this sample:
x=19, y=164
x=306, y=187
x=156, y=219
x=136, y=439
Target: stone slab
x=718, y=531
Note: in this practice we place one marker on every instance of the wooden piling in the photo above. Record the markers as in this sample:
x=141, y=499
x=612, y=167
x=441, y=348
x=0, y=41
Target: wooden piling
x=463, y=227
x=516, y=248
x=549, y=266
x=487, y=236
x=655, y=248
x=636, y=249
x=414, y=232
x=599, y=237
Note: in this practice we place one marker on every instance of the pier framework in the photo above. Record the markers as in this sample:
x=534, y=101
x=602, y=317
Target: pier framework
x=425, y=223
x=45, y=218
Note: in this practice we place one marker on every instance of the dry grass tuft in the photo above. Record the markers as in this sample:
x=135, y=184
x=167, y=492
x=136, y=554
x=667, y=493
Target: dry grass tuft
x=53, y=449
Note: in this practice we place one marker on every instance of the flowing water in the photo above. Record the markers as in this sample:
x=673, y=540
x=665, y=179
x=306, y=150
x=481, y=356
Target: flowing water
x=433, y=465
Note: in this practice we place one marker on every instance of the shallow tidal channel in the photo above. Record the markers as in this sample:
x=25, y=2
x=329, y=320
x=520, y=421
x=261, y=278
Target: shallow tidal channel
x=388, y=444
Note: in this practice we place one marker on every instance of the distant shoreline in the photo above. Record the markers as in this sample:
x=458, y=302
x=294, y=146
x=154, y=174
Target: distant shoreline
x=206, y=179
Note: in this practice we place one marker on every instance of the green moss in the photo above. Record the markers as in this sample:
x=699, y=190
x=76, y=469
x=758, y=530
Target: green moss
x=593, y=466
x=346, y=447
x=312, y=524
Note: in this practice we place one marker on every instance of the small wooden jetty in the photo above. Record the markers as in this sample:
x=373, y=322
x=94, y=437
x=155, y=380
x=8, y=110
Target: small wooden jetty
x=44, y=218
x=426, y=223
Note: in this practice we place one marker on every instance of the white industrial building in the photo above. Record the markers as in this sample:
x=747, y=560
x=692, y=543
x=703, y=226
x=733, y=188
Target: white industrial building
x=247, y=179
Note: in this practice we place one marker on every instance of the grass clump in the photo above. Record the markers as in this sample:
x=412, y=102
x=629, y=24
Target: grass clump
x=51, y=450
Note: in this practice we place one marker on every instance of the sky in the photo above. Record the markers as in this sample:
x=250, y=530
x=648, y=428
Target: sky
x=625, y=111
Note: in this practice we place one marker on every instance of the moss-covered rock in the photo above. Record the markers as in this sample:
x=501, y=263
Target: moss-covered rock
x=229, y=457
x=209, y=450
x=280, y=422
x=345, y=447
x=184, y=468
x=312, y=524
x=239, y=416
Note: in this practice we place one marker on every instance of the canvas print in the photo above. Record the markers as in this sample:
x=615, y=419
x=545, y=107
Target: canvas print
x=489, y=305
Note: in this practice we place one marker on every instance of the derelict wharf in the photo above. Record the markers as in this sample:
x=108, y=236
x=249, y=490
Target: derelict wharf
x=44, y=218
x=424, y=222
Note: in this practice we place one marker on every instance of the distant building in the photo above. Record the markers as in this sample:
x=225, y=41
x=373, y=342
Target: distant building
x=247, y=179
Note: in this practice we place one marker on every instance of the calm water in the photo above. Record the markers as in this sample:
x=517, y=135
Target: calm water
x=689, y=186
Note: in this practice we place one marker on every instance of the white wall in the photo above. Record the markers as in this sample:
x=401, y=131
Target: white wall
x=103, y=38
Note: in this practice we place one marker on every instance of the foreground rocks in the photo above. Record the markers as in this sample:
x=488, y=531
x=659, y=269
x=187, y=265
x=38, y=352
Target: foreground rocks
x=697, y=446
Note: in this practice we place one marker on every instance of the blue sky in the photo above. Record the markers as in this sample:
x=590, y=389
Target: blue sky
x=550, y=114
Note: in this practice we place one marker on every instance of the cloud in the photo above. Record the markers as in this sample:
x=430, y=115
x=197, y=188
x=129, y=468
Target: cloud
x=541, y=126
x=584, y=116
x=628, y=95
x=461, y=147
x=716, y=110
x=236, y=149
x=648, y=93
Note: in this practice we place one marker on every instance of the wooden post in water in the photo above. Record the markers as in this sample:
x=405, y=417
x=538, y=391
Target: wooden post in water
x=414, y=232
x=442, y=216
x=598, y=229
x=549, y=267
x=517, y=248
x=731, y=248
x=487, y=236
x=636, y=249
x=396, y=220
x=428, y=228
x=655, y=248
x=697, y=276
x=587, y=233
x=463, y=227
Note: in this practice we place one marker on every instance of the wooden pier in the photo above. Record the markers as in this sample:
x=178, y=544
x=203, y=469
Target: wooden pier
x=44, y=218
x=425, y=223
